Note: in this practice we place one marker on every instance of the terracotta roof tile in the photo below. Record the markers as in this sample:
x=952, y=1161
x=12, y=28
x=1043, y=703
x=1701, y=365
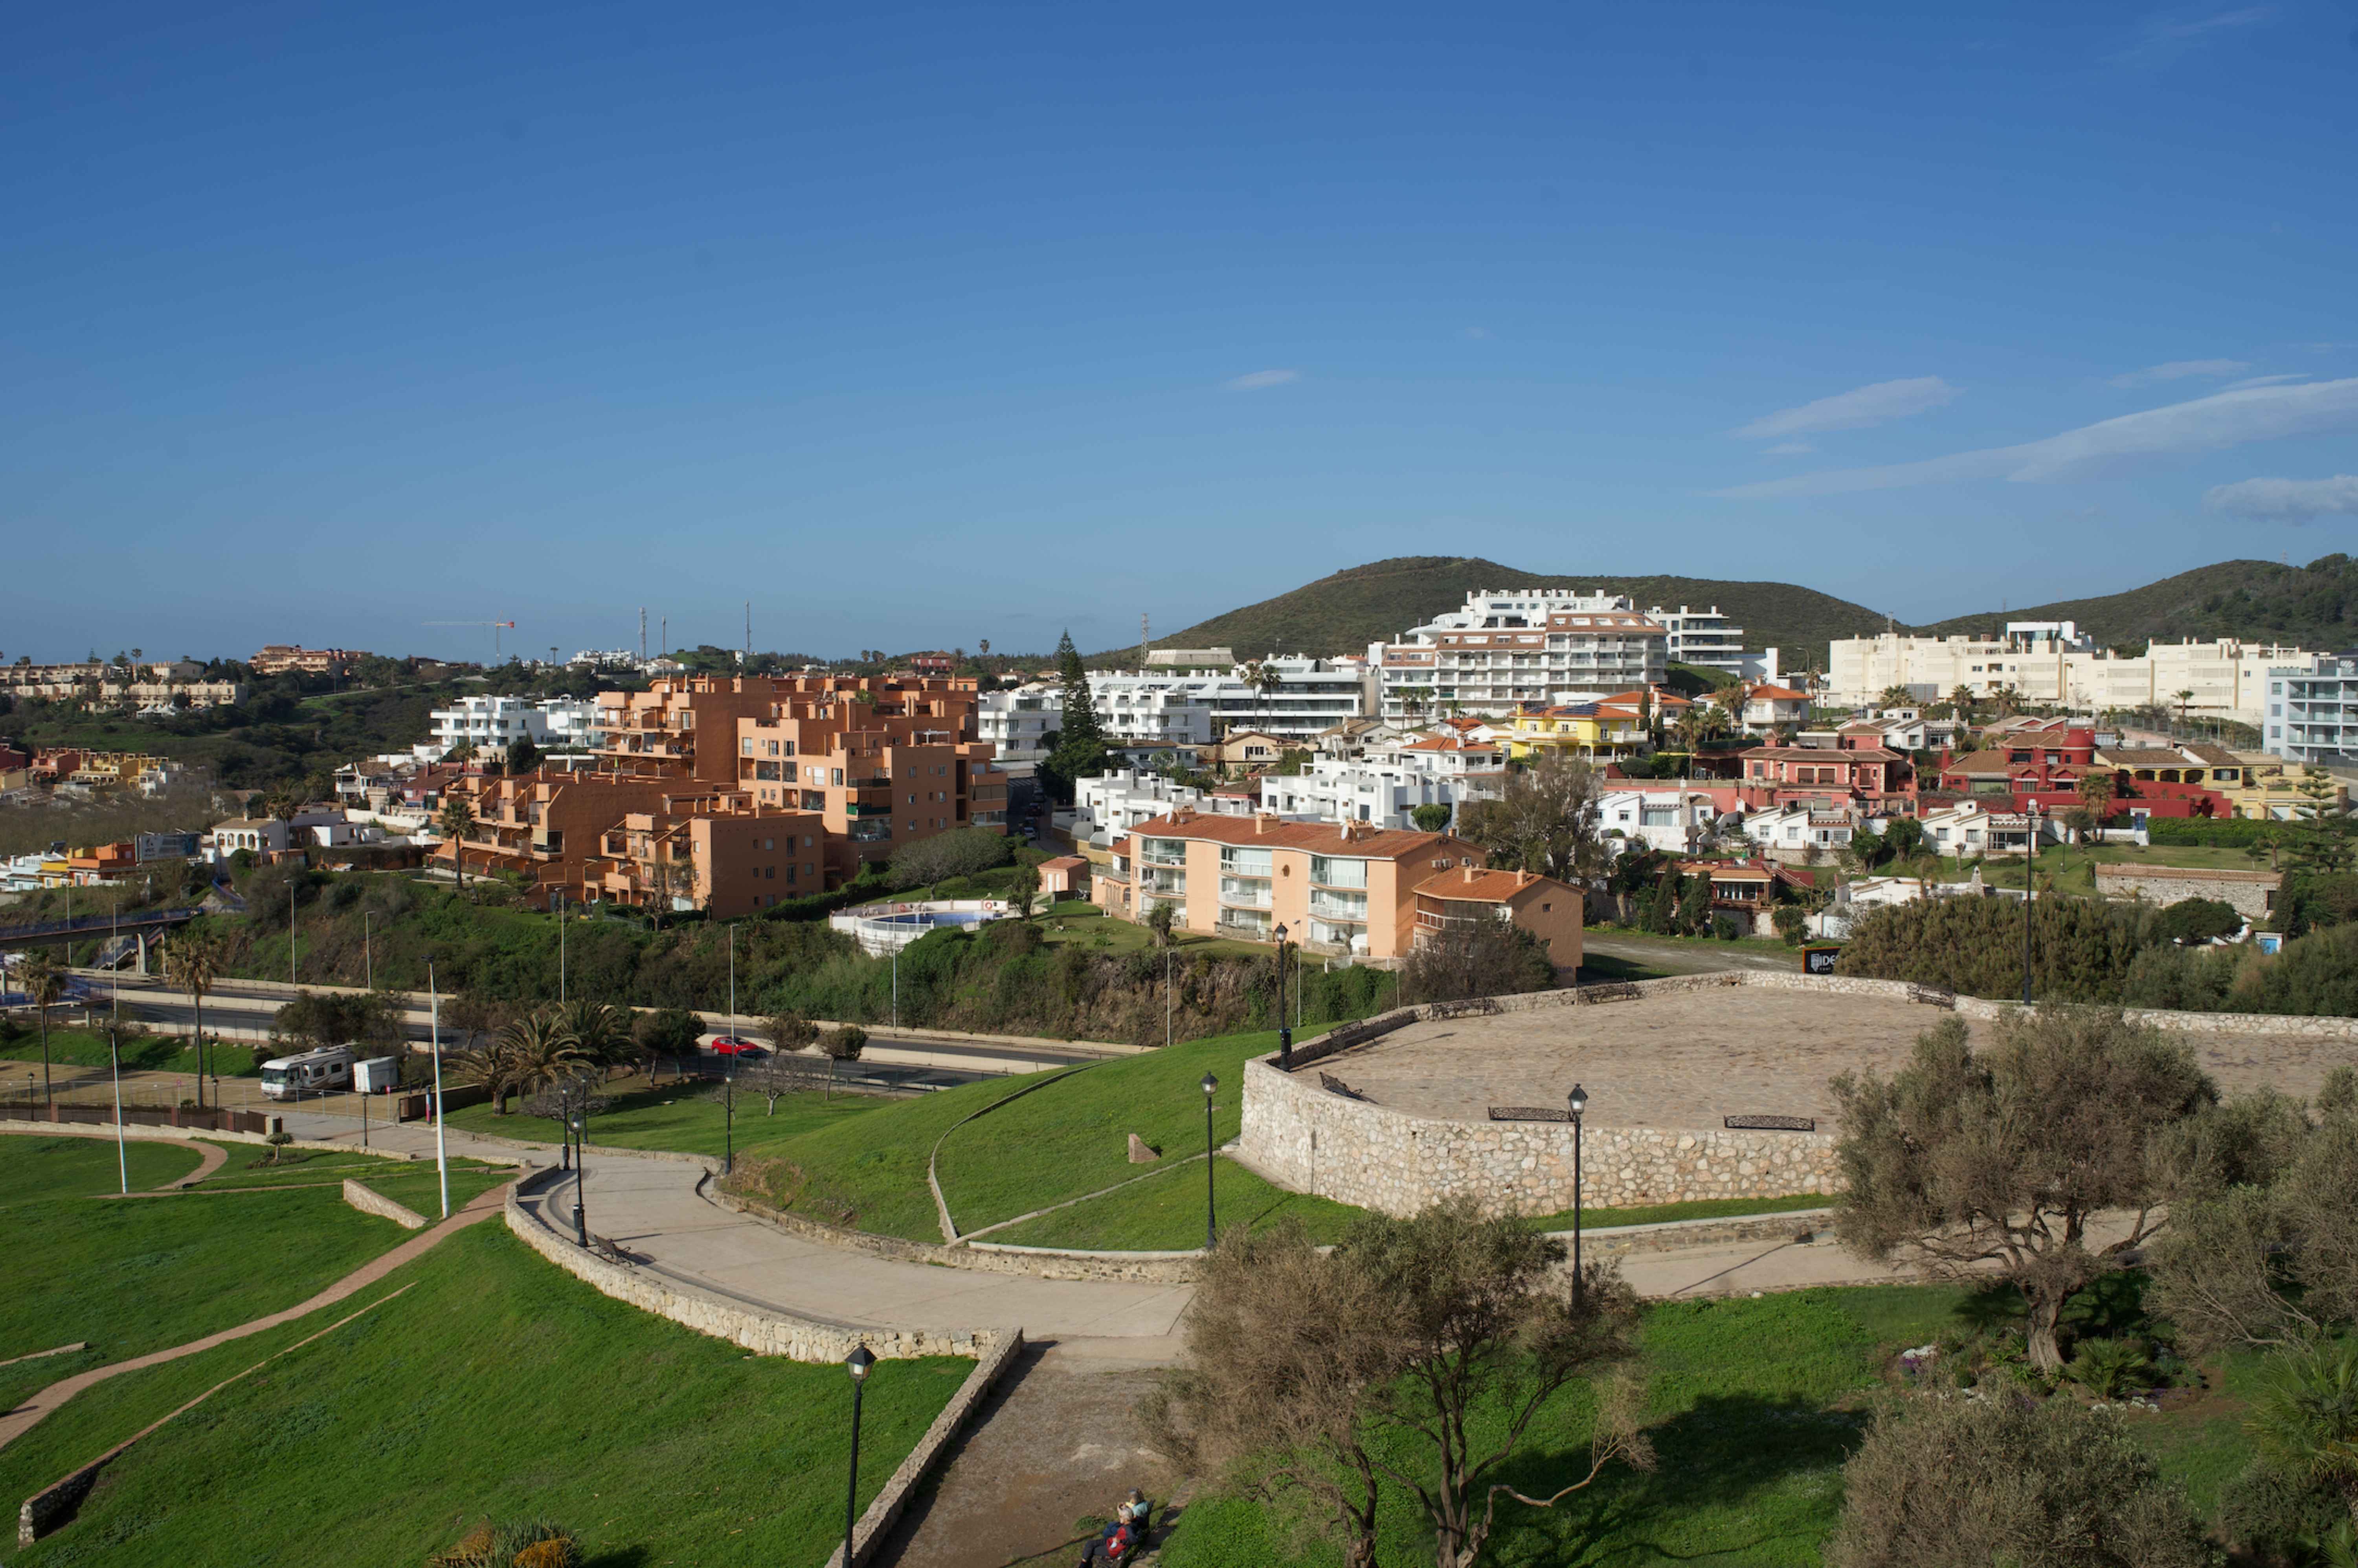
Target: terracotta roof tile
x=1323, y=837
x=1484, y=886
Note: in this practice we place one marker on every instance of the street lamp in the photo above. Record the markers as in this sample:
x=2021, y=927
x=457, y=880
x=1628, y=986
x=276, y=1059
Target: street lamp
x=1578, y=1101
x=1285, y=1024
x=1211, y=1229
x=859, y=1364
x=580, y=1177
x=2030, y=858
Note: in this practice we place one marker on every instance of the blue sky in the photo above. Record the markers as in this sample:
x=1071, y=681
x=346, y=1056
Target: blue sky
x=922, y=326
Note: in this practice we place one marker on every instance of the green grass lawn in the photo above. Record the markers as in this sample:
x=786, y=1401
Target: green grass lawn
x=137, y=1274
x=1072, y=1137
x=151, y=1053
x=419, y=1187
x=1077, y=920
x=1165, y=1212
x=1692, y=944
x=1756, y=1406
x=250, y=1165
x=498, y=1385
x=686, y=1117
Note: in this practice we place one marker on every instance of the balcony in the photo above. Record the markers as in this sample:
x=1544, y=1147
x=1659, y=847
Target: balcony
x=1244, y=892
x=1164, y=884
x=1334, y=907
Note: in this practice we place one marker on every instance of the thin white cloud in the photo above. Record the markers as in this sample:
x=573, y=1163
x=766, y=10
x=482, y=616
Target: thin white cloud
x=1853, y=410
x=2179, y=369
x=2265, y=380
x=2285, y=500
x=2206, y=424
x=2165, y=35
x=1262, y=378
x=1788, y=450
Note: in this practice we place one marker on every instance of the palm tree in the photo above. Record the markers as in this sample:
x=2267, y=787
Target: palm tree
x=2306, y=1419
x=598, y=1030
x=1894, y=697
x=2184, y=700
x=192, y=962
x=529, y=1054
x=456, y=821
x=283, y=803
x=45, y=987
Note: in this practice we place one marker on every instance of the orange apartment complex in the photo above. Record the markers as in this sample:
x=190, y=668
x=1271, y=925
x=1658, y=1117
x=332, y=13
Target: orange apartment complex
x=1337, y=887
x=733, y=794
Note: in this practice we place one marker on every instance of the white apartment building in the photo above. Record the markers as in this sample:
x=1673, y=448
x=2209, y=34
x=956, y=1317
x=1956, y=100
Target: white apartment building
x=1701, y=637
x=2313, y=709
x=2052, y=662
x=1167, y=708
x=1513, y=646
x=1387, y=785
x=1106, y=807
x=1019, y=722
x=492, y=723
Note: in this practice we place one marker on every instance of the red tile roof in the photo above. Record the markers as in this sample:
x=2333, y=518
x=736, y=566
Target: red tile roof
x=1352, y=839
x=1476, y=885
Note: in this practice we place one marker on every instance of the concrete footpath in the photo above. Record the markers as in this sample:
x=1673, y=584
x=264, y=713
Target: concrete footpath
x=652, y=1209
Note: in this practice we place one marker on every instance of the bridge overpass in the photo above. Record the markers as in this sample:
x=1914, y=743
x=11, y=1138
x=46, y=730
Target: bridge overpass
x=137, y=926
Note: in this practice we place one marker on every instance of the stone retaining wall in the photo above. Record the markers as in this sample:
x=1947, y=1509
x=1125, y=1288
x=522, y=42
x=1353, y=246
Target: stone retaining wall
x=376, y=1202
x=1378, y=1157
x=765, y=1333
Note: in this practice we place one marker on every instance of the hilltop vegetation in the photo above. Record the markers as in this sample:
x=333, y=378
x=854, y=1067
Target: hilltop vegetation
x=2314, y=606
x=1344, y=612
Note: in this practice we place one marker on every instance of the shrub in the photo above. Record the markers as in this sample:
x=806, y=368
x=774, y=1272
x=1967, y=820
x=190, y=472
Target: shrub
x=2197, y=920
x=2273, y=1514
x=2109, y=1368
x=2081, y=950
x=668, y=1031
x=1792, y=924
x=791, y=1032
x=844, y=1044
x=1962, y=1485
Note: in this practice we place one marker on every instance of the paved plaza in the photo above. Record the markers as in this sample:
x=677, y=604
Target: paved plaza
x=1687, y=1059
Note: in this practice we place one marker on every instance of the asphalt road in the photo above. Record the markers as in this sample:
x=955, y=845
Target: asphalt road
x=247, y=1013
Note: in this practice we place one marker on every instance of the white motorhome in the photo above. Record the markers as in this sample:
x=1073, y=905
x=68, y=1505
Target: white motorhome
x=325, y=1071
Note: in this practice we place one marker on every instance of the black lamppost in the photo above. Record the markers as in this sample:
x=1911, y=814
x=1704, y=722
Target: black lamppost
x=1578, y=1101
x=1211, y=1227
x=580, y=1179
x=2029, y=858
x=1284, y=1019
x=858, y=1364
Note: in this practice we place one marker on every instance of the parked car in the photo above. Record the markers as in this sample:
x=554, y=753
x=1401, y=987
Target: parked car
x=729, y=1045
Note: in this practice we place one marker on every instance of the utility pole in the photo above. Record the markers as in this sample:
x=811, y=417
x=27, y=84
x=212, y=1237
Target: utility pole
x=1142, y=641
x=643, y=633
x=749, y=633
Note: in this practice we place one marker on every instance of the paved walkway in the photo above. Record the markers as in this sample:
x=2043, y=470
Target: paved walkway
x=27, y=1416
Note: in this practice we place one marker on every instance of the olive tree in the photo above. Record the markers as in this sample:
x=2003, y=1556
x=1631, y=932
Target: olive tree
x=1962, y=1161
x=1414, y=1357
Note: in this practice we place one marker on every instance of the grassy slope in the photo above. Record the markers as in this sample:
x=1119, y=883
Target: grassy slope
x=85, y=1048
x=688, y=1118
x=2256, y=601
x=137, y=1274
x=1072, y=1136
x=1757, y=1405
x=497, y=1386
x=1344, y=612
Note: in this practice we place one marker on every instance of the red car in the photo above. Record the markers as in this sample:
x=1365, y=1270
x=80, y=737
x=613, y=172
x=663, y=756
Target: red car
x=729, y=1045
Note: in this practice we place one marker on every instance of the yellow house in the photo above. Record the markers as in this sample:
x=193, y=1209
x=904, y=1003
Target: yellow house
x=2269, y=792
x=1588, y=730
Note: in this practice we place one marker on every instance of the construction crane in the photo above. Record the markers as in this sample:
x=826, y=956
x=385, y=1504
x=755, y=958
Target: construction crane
x=494, y=625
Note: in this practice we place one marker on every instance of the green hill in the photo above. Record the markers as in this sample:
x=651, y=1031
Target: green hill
x=2315, y=606
x=1344, y=612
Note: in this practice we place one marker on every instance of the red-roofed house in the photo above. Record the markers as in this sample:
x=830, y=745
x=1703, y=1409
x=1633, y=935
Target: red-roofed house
x=1341, y=887
x=1826, y=777
x=1548, y=908
x=1772, y=707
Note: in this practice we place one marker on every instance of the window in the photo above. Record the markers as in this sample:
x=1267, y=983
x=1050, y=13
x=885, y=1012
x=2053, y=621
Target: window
x=1236, y=860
